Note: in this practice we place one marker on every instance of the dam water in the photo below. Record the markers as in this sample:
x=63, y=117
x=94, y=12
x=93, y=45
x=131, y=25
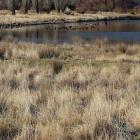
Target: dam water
x=117, y=30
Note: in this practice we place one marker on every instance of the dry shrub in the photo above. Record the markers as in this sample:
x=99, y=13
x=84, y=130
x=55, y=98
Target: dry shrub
x=133, y=50
x=124, y=69
x=8, y=129
x=122, y=49
x=3, y=105
x=14, y=84
x=2, y=53
x=57, y=67
x=104, y=130
x=48, y=53
x=31, y=81
x=118, y=128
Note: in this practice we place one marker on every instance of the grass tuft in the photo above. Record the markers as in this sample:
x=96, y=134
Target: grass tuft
x=57, y=67
x=48, y=53
x=2, y=53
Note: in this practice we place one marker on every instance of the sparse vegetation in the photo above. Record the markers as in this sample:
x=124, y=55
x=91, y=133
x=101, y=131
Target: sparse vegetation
x=90, y=91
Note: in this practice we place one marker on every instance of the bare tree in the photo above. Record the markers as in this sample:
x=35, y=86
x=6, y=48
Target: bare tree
x=106, y=6
x=60, y=5
x=48, y=3
x=45, y=5
x=56, y=3
x=37, y=6
x=25, y=6
x=113, y=3
x=13, y=7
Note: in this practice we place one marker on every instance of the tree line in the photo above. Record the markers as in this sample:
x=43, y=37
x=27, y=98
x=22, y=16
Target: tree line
x=37, y=5
x=81, y=6
x=106, y=5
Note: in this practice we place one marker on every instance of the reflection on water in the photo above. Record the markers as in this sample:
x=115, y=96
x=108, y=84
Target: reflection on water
x=126, y=30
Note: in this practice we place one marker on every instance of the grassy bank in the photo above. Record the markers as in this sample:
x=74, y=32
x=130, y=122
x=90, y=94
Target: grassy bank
x=99, y=51
x=9, y=21
x=85, y=91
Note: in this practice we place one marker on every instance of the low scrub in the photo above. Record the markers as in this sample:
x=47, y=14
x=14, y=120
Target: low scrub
x=48, y=53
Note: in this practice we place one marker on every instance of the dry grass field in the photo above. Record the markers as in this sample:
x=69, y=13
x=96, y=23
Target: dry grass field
x=53, y=17
x=84, y=91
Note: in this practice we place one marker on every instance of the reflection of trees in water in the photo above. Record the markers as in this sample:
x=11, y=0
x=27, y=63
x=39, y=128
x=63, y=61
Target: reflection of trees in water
x=26, y=33
x=41, y=34
x=106, y=23
x=58, y=33
x=30, y=34
x=37, y=34
x=57, y=37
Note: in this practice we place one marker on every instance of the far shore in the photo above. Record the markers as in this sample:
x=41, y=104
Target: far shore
x=8, y=21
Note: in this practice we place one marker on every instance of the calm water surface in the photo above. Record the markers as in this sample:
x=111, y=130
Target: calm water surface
x=126, y=30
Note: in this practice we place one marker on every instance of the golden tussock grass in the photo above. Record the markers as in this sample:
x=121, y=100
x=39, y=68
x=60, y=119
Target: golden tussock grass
x=69, y=92
x=32, y=17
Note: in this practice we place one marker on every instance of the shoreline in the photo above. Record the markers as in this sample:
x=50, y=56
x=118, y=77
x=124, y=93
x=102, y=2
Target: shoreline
x=19, y=20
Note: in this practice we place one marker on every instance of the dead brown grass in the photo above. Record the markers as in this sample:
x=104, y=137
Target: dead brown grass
x=53, y=17
x=99, y=50
x=72, y=97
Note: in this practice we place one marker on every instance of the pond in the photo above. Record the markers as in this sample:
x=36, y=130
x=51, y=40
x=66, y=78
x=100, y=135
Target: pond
x=117, y=30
